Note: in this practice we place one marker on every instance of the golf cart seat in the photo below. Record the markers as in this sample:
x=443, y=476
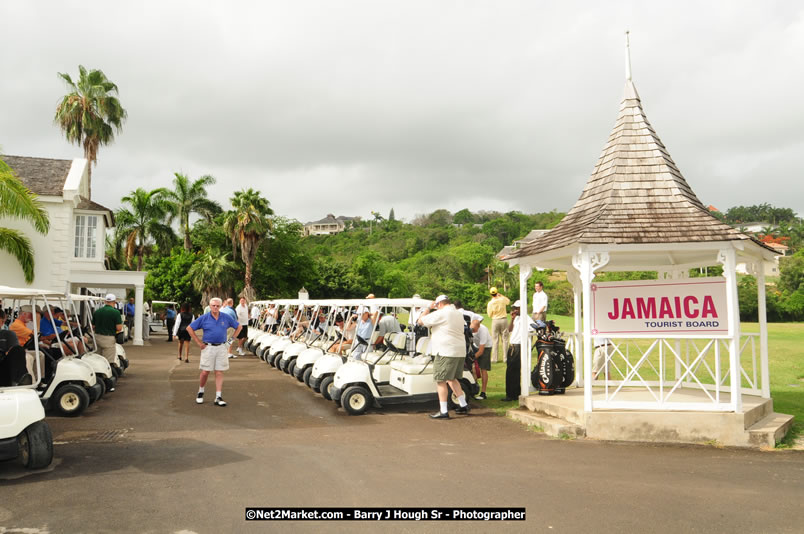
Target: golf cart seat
x=393, y=349
x=420, y=365
x=422, y=344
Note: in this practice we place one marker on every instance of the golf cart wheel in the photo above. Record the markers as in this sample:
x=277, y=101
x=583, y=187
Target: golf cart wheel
x=70, y=400
x=111, y=383
x=117, y=371
x=290, y=367
x=308, y=373
x=261, y=353
x=102, y=385
x=36, y=446
x=326, y=385
x=356, y=400
x=124, y=363
x=299, y=373
x=271, y=359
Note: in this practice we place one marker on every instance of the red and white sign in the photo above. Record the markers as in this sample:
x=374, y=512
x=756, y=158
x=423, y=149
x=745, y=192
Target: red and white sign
x=660, y=308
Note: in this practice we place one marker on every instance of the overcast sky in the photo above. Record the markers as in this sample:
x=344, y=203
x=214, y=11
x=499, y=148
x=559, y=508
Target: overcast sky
x=346, y=107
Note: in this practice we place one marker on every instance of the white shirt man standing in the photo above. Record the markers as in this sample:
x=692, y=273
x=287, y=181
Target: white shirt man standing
x=539, y=302
x=242, y=317
x=482, y=338
x=449, y=346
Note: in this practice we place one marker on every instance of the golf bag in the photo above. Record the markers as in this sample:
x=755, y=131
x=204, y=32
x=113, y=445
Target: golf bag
x=555, y=366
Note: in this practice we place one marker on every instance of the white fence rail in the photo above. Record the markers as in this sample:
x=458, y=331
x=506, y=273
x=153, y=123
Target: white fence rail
x=659, y=374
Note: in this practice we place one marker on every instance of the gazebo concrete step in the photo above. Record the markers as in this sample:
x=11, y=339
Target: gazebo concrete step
x=768, y=431
x=550, y=406
x=552, y=426
x=757, y=413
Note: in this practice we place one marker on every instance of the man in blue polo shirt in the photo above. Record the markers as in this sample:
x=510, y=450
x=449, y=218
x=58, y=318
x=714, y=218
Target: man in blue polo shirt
x=214, y=356
x=130, y=308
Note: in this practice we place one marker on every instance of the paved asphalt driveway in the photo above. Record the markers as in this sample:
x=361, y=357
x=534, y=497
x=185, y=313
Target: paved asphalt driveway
x=148, y=459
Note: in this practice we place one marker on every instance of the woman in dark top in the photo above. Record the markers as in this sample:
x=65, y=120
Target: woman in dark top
x=180, y=330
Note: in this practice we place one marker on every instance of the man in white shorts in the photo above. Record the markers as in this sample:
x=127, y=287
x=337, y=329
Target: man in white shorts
x=214, y=354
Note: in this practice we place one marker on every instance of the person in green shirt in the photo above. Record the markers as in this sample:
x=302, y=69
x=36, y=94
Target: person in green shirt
x=107, y=322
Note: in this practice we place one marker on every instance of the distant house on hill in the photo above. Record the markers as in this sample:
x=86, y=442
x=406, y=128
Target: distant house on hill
x=328, y=225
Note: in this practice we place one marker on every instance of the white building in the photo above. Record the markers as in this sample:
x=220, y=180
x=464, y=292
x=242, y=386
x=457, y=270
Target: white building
x=71, y=256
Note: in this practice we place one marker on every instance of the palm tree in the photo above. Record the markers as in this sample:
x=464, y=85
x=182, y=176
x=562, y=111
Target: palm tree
x=18, y=202
x=247, y=225
x=188, y=198
x=90, y=113
x=212, y=274
x=142, y=223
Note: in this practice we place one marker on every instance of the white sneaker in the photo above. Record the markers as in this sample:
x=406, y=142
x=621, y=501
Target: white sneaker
x=200, y=398
x=241, y=352
x=232, y=355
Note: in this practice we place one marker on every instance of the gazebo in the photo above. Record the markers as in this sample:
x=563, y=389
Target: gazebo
x=677, y=366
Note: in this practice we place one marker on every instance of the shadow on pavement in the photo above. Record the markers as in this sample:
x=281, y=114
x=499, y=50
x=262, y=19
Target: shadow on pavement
x=160, y=457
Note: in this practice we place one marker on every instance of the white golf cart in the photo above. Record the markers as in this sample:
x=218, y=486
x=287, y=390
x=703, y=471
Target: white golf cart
x=24, y=433
x=68, y=384
x=303, y=369
x=389, y=376
x=290, y=322
x=314, y=334
x=324, y=368
x=264, y=341
x=103, y=368
x=255, y=330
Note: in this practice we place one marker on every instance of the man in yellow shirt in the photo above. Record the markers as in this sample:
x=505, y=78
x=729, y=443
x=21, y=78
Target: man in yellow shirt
x=497, y=310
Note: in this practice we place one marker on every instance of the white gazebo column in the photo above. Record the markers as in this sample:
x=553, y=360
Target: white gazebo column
x=575, y=280
x=763, y=329
x=587, y=263
x=138, y=315
x=525, y=353
x=728, y=258
x=583, y=263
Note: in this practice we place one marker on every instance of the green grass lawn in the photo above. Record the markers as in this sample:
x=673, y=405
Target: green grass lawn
x=786, y=362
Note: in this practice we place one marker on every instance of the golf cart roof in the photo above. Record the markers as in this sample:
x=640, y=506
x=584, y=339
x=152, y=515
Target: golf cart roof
x=87, y=298
x=6, y=291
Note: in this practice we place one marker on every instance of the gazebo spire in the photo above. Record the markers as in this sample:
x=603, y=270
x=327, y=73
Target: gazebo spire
x=627, y=56
x=636, y=193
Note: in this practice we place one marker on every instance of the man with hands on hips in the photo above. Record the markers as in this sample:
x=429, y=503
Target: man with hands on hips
x=214, y=353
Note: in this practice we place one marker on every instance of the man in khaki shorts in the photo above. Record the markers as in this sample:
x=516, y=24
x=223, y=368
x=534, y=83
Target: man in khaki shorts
x=214, y=353
x=448, y=344
x=497, y=310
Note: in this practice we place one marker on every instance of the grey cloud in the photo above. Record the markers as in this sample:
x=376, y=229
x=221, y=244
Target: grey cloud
x=354, y=106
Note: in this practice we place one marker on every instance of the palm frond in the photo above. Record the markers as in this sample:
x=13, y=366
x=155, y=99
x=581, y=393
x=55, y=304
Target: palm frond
x=18, y=245
x=19, y=202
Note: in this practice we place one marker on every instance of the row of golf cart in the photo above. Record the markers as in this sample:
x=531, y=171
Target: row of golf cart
x=320, y=343
x=59, y=371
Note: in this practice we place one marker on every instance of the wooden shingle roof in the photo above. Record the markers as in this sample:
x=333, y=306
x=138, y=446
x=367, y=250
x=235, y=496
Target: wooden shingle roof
x=43, y=176
x=636, y=194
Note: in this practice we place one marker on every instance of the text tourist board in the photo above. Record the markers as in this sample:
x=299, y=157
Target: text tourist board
x=661, y=308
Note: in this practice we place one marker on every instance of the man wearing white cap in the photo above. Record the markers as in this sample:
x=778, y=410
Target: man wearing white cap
x=448, y=344
x=107, y=322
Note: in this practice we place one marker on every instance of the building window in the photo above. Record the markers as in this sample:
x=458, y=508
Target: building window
x=86, y=233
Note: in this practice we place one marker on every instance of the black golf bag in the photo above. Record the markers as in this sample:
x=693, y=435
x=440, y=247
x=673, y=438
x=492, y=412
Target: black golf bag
x=555, y=366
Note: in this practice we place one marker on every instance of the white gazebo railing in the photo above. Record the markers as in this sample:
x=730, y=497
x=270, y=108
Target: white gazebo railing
x=665, y=371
